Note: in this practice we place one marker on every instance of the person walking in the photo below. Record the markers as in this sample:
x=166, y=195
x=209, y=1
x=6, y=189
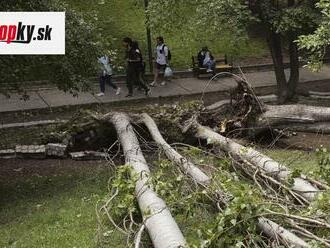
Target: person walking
x=163, y=57
x=134, y=61
x=140, y=66
x=106, y=75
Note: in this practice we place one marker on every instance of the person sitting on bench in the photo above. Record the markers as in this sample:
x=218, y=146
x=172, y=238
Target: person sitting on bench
x=206, y=60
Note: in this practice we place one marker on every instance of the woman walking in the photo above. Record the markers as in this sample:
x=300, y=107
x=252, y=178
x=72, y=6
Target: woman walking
x=140, y=66
x=134, y=67
x=106, y=75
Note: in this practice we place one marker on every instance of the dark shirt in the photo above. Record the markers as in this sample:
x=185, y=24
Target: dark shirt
x=135, y=54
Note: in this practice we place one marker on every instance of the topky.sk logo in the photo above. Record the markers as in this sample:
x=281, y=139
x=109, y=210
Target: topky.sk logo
x=32, y=33
x=21, y=33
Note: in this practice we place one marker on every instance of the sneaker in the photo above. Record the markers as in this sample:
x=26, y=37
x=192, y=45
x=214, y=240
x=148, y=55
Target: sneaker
x=129, y=95
x=163, y=83
x=153, y=84
x=118, y=91
x=209, y=70
x=100, y=94
x=148, y=92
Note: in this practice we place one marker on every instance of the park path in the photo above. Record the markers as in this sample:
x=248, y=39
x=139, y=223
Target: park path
x=52, y=98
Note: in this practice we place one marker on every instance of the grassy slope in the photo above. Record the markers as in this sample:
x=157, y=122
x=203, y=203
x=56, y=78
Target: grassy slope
x=120, y=18
x=53, y=211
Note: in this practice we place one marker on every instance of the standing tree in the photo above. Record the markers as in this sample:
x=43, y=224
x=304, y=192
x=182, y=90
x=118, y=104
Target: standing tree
x=316, y=44
x=282, y=22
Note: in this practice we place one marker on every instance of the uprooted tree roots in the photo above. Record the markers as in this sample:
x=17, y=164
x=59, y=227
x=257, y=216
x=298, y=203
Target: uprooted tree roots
x=250, y=199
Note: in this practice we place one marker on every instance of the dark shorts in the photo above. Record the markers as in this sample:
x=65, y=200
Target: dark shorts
x=160, y=67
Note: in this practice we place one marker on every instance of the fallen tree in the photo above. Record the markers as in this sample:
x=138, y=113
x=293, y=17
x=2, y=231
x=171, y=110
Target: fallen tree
x=247, y=111
x=271, y=167
x=270, y=228
x=293, y=114
x=162, y=229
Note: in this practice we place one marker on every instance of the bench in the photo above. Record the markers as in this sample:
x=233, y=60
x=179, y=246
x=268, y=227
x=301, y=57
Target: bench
x=221, y=65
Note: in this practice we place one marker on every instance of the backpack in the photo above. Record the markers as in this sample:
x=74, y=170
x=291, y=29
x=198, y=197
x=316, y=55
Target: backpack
x=169, y=55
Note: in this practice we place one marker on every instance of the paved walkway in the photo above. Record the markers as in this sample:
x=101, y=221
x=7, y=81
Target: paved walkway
x=41, y=99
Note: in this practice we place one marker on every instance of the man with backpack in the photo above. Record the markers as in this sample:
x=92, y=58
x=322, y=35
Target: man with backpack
x=163, y=57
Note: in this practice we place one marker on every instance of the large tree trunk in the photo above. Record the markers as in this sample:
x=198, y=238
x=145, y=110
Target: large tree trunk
x=275, y=46
x=162, y=229
x=271, y=167
x=294, y=67
x=292, y=114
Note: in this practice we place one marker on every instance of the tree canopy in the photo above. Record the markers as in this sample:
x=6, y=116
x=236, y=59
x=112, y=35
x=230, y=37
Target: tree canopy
x=236, y=16
x=317, y=42
x=68, y=72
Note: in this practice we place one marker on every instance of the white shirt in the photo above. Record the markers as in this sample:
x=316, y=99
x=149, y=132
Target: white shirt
x=207, y=58
x=105, y=66
x=161, y=54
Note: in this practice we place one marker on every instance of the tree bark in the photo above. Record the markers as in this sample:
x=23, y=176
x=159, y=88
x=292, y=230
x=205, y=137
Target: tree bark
x=294, y=67
x=273, y=230
x=275, y=46
x=293, y=114
x=276, y=170
x=162, y=229
x=173, y=155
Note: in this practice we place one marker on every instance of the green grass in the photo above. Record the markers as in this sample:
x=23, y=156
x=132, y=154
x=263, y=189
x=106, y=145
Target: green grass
x=117, y=19
x=53, y=211
x=306, y=162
